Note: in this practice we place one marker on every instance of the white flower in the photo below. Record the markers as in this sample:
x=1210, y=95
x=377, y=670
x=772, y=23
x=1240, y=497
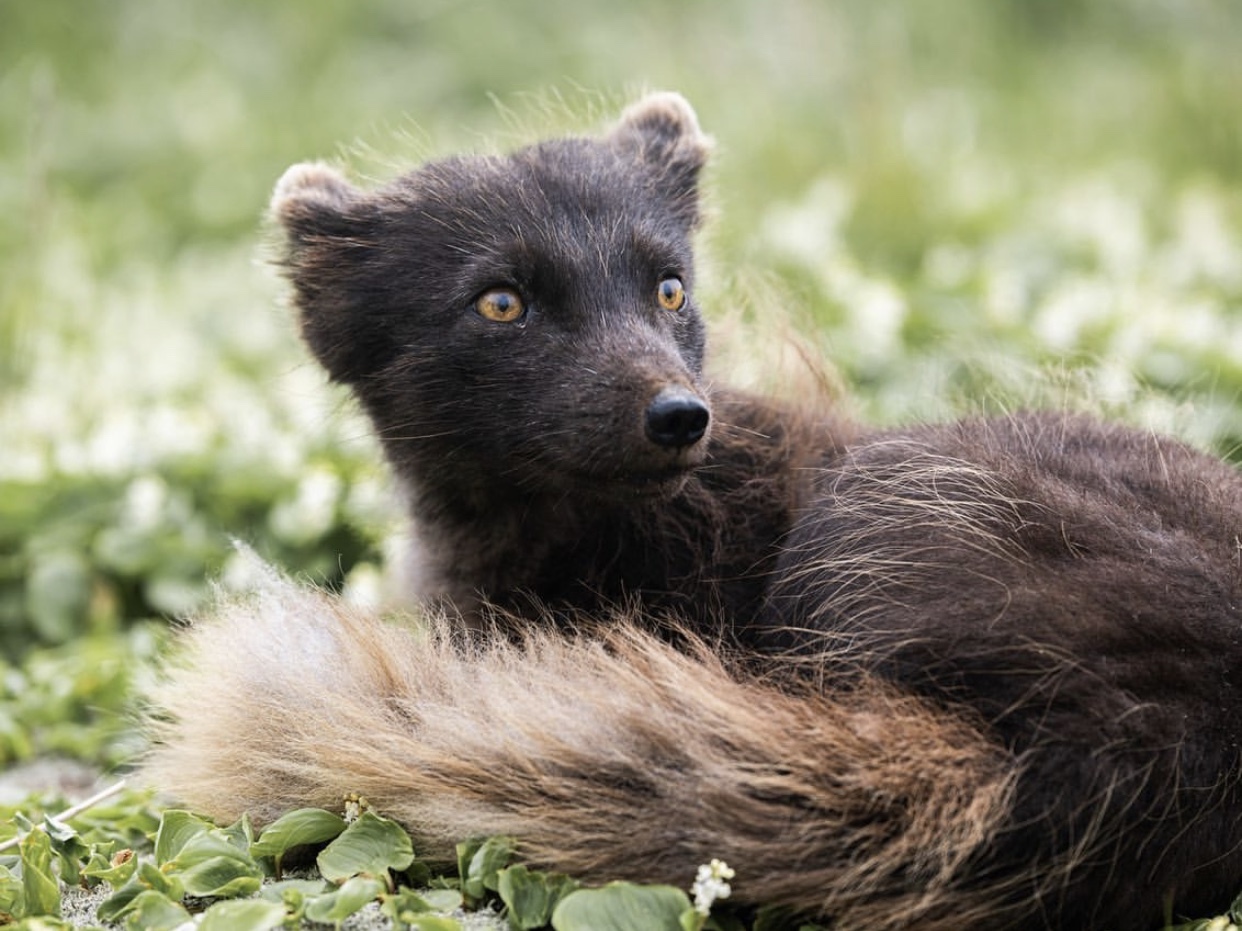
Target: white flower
x=355, y=805
x=711, y=884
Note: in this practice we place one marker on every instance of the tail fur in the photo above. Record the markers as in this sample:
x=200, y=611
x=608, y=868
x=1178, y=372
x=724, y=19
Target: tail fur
x=608, y=757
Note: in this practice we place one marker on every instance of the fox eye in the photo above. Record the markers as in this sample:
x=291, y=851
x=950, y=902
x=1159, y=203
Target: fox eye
x=502, y=305
x=671, y=294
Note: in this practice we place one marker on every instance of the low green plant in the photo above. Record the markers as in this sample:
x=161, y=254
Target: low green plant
x=75, y=700
x=163, y=870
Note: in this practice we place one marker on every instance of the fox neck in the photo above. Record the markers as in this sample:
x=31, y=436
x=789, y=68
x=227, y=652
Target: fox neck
x=474, y=547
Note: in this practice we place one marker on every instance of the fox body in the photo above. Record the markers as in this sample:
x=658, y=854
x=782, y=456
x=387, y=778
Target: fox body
x=971, y=674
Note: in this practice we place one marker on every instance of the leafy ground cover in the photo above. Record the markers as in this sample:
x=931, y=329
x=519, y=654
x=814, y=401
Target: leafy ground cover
x=365, y=867
x=963, y=205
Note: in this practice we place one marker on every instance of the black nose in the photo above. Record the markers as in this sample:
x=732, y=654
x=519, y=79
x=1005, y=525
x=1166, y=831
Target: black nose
x=677, y=418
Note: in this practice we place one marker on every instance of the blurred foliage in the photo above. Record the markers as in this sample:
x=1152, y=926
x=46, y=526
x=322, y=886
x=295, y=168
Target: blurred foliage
x=125, y=819
x=972, y=203
x=75, y=701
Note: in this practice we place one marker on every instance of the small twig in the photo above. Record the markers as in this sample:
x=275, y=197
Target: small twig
x=72, y=811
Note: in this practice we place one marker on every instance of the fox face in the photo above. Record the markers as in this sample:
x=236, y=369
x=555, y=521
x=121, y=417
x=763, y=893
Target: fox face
x=526, y=320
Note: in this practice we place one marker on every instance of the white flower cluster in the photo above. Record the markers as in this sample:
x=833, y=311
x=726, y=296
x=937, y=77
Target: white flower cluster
x=1140, y=273
x=711, y=883
x=355, y=805
x=132, y=387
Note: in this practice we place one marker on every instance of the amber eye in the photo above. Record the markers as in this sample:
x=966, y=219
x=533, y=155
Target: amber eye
x=671, y=294
x=503, y=305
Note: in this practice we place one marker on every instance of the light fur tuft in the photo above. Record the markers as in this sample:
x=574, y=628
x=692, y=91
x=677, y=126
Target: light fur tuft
x=309, y=184
x=668, y=116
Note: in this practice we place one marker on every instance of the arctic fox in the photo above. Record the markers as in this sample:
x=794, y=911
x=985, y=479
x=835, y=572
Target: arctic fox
x=976, y=675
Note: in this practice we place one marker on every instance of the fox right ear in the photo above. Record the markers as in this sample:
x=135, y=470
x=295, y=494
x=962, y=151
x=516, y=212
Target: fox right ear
x=663, y=131
x=663, y=128
x=313, y=201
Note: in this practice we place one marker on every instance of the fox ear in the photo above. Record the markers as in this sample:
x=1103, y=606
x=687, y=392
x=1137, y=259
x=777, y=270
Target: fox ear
x=329, y=227
x=313, y=202
x=662, y=130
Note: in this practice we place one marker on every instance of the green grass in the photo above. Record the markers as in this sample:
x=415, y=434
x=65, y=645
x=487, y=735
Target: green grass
x=963, y=205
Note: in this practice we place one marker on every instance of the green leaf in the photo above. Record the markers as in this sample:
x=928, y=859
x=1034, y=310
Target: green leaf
x=241, y=833
x=150, y=876
x=223, y=875
x=419, y=875
x=147, y=879
x=12, y=893
x=297, y=829
x=117, y=905
x=69, y=848
x=125, y=900
x=442, y=900
x=531, y=896
x=154, y=911
x=204, y=858
x=243, y=915
x=621, y=907
x=40, y=888
x=479, y=862
x=104, y=867
x=370, y=845
x=45, y=923
x=177, y=828
x=434, y=923
x=276, y=891
x=293, y=901
x=403, y=907
x=408, y=908
x=293, y=894
x=57, y=830
x=333, y=907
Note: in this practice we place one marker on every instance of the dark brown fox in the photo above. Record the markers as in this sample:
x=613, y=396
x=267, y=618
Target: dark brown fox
x=972, y=675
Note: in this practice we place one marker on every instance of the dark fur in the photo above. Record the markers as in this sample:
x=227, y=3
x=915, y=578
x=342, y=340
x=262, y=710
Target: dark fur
x=522, y=445
x=978, y=672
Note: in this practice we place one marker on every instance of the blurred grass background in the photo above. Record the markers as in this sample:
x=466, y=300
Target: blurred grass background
x=965, y=204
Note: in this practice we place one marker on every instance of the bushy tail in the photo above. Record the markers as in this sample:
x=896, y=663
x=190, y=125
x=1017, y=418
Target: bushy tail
x=608, y=758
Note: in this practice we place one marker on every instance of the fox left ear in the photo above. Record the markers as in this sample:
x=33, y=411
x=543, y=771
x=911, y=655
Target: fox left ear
x=313, y=202
x=662, y=130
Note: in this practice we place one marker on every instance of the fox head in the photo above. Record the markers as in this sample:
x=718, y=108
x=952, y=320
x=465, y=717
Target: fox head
x=525, y=321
